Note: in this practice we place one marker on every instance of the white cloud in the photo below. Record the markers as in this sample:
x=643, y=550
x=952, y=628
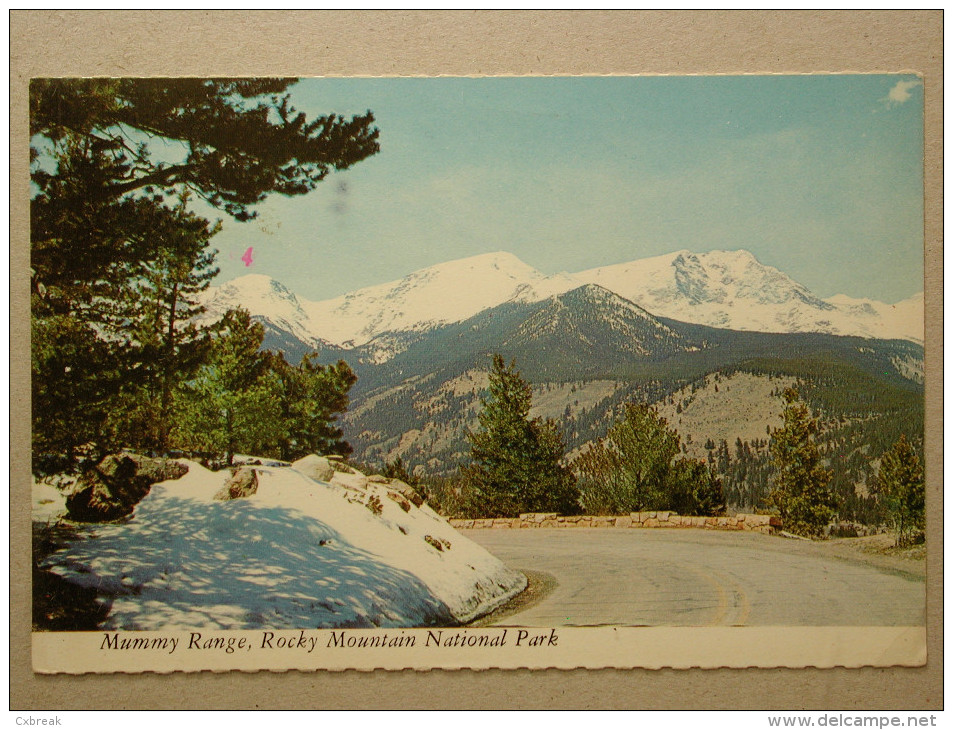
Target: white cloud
x=900, y=92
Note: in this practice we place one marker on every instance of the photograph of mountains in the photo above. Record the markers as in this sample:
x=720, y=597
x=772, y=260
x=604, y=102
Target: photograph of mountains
x=663, y=330
x=346, y=328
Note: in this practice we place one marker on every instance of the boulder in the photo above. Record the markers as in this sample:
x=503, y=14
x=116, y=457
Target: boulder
x=399, y=499
x=408, y=491
x=355, y=481
x=244, y=483
x=112, y=488
x=314, y=467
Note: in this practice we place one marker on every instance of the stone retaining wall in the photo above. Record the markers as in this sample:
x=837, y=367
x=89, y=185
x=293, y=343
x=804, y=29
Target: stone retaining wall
x=766, y=524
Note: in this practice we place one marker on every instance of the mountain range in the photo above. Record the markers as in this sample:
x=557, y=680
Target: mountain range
x=724, y=289
x=709, y=339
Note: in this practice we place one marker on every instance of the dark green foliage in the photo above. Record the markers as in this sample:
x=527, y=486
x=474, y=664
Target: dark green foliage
x=515, y=463
x=153, y=316
x=229, y=407
x=241, y=139
x=841, y=377
x=246, y=400
x=901, y=487
x=695, y=490
x=396, y=469
x=635, y=468
x=801, y=491
x=74, y=380
x=746, y=477
x=311, y=397
x=118, y=259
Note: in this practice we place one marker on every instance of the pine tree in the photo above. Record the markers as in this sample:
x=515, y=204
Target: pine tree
x=396, y=469
x=74, y=381
x=241, y=139
x=515, y=461
x=311, y=397
x=112, y=279
x=694, y=489
x=155, y=314
x=801, y=484
x=635, y=467
x=901, y=487
x=230, y=407
x=79, y=255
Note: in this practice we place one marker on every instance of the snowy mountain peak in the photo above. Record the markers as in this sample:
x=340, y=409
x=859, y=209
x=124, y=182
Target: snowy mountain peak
x=720, y=288
x=728, y=289
x=494, y=259
x=267, y=300
x=439, y=294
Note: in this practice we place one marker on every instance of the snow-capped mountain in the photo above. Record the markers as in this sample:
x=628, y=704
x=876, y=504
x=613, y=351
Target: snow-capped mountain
x=733, y=290
x=725, y=289
x=441, y=294
x=901, y=321
x=269, y=301
x=448, y=292
x=577, y=333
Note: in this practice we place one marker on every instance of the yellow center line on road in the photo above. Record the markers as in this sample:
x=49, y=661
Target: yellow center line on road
x=725, y=586
x=722, y=610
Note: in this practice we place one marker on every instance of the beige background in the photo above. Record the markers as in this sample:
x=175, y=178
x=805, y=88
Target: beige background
x=307, y=43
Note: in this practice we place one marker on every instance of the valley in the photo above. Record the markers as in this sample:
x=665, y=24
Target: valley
x=591, y=342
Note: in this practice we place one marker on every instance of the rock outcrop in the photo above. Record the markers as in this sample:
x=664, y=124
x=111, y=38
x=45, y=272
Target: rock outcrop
x=112, y=489
x=315, y=467
x=244, y=483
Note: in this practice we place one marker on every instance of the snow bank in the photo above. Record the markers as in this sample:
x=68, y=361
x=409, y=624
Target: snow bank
x=297, y=554
x=49, y=503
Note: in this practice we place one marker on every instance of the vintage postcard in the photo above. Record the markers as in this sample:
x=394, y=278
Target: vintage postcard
x=477, y=372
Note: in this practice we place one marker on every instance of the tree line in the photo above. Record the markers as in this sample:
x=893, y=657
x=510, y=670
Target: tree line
x=119, y=259
x=518, y=464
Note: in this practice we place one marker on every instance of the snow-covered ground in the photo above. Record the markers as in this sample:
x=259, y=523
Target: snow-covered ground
x=299, y=553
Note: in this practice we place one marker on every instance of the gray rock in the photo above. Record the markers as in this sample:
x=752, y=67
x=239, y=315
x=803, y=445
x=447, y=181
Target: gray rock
x=408, y=491
x=111, y=490
x=244, y=483
x=314, y=466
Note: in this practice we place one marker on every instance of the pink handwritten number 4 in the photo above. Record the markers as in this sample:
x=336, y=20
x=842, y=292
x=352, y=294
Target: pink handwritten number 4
x=247, y=257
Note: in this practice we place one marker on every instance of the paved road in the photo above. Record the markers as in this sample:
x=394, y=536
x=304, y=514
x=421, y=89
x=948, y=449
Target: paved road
x=701, y=578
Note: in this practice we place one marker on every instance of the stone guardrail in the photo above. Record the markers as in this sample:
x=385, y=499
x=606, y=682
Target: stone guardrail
x=765, y=524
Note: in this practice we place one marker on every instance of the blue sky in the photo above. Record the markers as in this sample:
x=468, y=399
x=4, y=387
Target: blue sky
x=820, y=176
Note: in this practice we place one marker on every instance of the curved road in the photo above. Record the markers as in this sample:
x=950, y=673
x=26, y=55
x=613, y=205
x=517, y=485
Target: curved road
x=701, y=578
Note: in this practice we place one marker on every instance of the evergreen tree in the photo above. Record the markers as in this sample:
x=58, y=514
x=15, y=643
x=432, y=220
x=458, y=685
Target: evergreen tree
x=74, y=380
x=901, y=487
x=155, y=313
x=515, y=461
x=112, y=279
x=396, y=469
x=80, y=257
x=230, y=407
x=694, y=489
x=311, y=396
x=801, y=484
x=635, y=468
x=241, y=139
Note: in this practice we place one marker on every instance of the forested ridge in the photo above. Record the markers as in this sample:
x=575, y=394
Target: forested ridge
x=852, y=384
